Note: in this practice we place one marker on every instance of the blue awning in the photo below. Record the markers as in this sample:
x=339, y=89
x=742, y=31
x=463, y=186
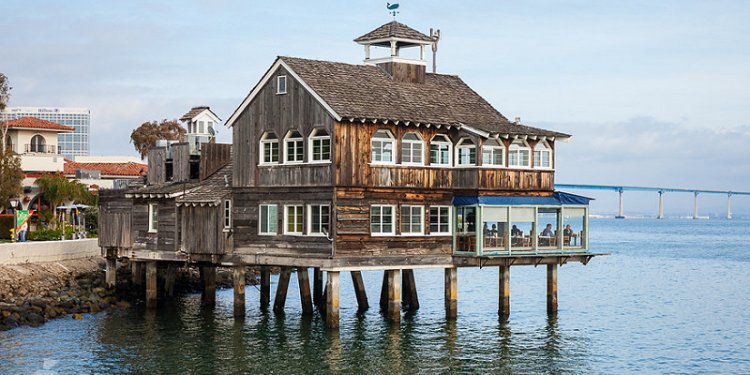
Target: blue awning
x=558, y=198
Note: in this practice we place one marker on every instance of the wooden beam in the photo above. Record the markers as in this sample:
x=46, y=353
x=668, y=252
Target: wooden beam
x=552, y=288
x=332, y=300
x=359, y=291
x=317, y=286
x=239, y=291
x=208, y=275
x=409, y=286
x=151, y=284
x=384, y=292
x=281, y=289
x=394, y=295
x=451, y=293
x=111, y=274
x=303, y=279
x=504, y=286
x=169, y=279
x=137, y=273
x=265, y=287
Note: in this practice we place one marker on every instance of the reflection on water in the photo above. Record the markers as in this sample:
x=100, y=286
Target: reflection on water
x=651, y=307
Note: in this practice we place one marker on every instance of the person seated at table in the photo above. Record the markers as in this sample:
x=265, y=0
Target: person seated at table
x=546, y=236
x=568, y=234
x=515, y=231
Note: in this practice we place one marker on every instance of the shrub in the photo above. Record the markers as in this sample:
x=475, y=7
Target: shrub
x=46, y=234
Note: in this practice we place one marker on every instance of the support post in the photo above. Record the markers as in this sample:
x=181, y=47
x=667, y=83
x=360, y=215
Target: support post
x=137, y=271
x=208, y=274
x=552, y=288
x=695, y=206
x=317, y=286
x=394, y=295
x=359, y=291
x=239, y=291
x=265, y=287
x=451, y=293
x=621, y=212
x=151, y=284
x=661, y=205
x=281, y=288
x=303, y=279
x=729, y=206
x=384, y=292
x=111, y=275
x=169, y=279
x=504, y=299
x=409, y=286
x=332, y=300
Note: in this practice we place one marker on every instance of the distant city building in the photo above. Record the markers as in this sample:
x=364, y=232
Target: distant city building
x=69, y=144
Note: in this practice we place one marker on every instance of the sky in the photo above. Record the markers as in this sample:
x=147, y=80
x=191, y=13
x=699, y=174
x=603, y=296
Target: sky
x=655, y=93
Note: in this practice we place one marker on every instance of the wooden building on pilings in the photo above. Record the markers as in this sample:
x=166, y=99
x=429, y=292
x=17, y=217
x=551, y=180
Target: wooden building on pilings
x=384, y=166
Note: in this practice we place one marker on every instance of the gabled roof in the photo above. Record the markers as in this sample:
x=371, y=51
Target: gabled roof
x=396, y=30
x=107, y=169
x=34, y=123
x=195, y=111
x=211, y=190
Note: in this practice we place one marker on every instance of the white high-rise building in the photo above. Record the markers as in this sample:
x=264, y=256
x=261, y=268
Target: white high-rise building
x=69, y=144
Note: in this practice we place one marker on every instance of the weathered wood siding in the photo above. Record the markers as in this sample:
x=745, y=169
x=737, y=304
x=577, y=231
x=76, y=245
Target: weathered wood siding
x=180, y=162
x=201, y=229
x=164, y=239
x=114, y=222
x=404, y=72
x=213, y=157
x=157, y=166
x=295, y=110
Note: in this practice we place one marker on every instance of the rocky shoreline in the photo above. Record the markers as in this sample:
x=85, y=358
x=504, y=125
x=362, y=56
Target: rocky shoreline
x=32, y=294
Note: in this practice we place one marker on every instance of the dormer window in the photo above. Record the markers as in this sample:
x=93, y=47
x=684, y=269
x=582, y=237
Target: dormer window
x=467, y=152
x=294, y=147
x=412, y=149
x=383, y=145
x=320, y=145
x=440, y=151
x=281, y=85
x=542, y=156
x=519, y=154
x=493, y=153
x=269, y=148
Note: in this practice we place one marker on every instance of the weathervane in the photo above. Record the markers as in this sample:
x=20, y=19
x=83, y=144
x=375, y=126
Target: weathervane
x=392, y=9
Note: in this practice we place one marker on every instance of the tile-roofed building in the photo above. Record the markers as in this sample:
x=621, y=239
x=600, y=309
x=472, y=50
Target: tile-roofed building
x=32, y=123
x=107, y=169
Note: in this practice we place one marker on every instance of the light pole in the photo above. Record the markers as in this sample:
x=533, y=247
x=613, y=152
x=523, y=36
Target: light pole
x=13, y=203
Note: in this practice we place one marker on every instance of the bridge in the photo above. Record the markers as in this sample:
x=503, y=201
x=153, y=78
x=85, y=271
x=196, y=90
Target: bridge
x=661, y=190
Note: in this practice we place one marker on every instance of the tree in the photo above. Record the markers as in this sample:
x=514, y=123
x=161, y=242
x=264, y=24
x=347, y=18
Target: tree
x=145, y=136
x=4, y=96
x=11, y=177
x=58, y=189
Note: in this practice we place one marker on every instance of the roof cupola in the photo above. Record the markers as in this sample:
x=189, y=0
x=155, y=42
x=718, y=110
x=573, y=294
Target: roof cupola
x=394, y=37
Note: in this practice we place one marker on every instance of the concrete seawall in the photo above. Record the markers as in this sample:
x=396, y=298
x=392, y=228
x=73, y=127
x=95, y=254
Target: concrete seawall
x=48, y=251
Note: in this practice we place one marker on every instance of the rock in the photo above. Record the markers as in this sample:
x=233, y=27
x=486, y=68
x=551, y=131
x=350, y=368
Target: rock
x=10, y=322
x=77, y=316
x=39, y=302
x=123, y=305
x=100, y=291
x=34, y=319
x=36, y=309
x=53, y=294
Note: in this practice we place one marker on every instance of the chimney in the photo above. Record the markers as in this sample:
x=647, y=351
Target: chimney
x=518, y=120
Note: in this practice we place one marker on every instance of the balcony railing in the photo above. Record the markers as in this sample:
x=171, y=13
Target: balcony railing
x=40, y=149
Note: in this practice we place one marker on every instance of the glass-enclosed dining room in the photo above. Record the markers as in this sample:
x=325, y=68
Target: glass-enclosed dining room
x=517, y=225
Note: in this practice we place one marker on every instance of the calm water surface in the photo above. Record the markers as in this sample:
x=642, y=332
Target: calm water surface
x=672, y=298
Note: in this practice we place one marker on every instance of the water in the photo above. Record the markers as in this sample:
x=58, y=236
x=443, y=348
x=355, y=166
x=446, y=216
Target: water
x=672, y=298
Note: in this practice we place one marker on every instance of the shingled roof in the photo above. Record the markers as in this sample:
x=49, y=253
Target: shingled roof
x=211, y=190
x=365, y=92
x=37, y=124
x=393, y=29
x=195, y=111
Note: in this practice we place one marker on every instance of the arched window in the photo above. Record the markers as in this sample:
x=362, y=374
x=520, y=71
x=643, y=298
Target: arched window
x=493, y=153
x=542, y=155
x=467, y=152
x=519, y=154
x=269, y=148
x=37, y=143
x=383, y=145
x=441, y=151
x=294, y=147
x=320, y=145
x=412, y=149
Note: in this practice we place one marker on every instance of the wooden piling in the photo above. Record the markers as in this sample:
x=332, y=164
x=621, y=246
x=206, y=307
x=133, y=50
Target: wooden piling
x=137, y=273
x=394, y=295
x=265, y=287
x=332, y=300
x=359, y=291
x=318, y=286
x=281, y=289
x=111, y=274
x=169, y=279
x=409, y=286
x=303, y=279
x=208, y=275
x=239, y=291
x=552, y=288
x=384, y=292
x=451, y=293
x=504, y=287
x=151, y=284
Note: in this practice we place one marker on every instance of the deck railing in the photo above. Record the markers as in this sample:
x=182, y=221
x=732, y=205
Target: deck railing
x=40, y=149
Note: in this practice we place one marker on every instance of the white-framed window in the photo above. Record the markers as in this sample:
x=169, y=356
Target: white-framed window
x=294, y=148
x=412, y=149
x=153, y=217
x=320, y=146
x=200, y=127
x=227, y=213
x=519, y=154
x=281, y=85
x=269, y=148
x=542, y=155
x=382, y=220
x=412, y=218
x=268, y=219
x=383, y=145
x=319, y=219
x=440, y=220
x=466, y=152
x=493, y=153
x=293, y=216
x=441, y=151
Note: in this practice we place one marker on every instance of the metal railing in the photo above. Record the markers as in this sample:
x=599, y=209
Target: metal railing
x=40, y=149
